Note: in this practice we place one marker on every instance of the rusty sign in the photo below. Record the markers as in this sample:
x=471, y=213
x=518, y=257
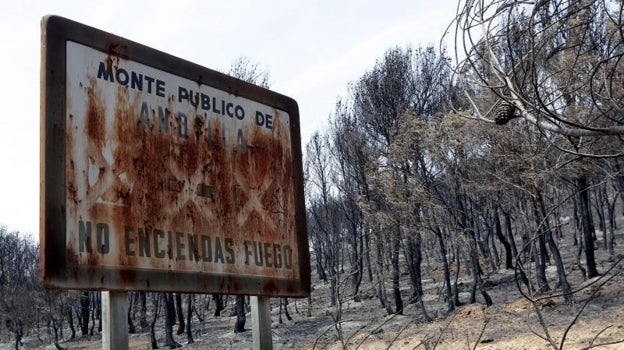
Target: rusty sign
x=158, y=174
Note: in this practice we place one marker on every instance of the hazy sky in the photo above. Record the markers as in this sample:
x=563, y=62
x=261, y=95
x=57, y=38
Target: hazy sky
x=311, y=48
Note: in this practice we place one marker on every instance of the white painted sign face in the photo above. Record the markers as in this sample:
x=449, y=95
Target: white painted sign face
x=169, y=174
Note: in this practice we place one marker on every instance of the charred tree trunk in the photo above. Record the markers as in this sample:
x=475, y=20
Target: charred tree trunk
x=563, y=280
x=189, y=316
x=619, y=182
x=394, y=258
x=414, y=262
x=369, y=268
x=320, y=270
x=587, y=226
x=540, y=262
x=85, y=302
x=131, y=328
x=96, y=311
x=540, y=269
x=281, y=308
x=599, y=204
x=493, y=257
x=93, y=316
x=143, y=310
x=462, y=221
x=239, y=326
x=180, y=313
x=357, y=261
x=218, y=299
x=476, y=267
x=381, y=288
x=98, y=308
x=156, y=303
x=70, y=320
x=450, y=306
x=17, y=328
x=510, y=237
x=612, y=227
x=333, y=286
x=284, y=301
x=577, y=222
x=456, y=301
x=56, y=326
x=169, y=321
x=494, y=247
x=499, y=234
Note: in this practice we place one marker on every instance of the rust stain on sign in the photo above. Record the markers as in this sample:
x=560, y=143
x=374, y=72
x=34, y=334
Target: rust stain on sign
x=184, y=180
x=167, y=177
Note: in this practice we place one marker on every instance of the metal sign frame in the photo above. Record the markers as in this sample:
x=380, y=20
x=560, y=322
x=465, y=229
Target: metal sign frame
x=59, y=268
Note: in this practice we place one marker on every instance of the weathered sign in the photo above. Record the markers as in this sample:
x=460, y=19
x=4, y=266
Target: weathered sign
x=159, y=174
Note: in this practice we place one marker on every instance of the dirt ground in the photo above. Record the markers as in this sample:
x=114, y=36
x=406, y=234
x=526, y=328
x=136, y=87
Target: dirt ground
x=511, y=323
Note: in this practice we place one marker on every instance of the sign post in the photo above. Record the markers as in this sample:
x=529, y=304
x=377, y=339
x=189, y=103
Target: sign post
x=114, y=320
x=162, y=175
x=261, y=322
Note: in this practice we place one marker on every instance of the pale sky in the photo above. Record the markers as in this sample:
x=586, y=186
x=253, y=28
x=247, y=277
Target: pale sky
x=312, y=50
